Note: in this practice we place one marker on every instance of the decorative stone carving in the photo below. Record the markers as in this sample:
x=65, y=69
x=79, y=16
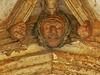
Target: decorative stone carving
x=53, y=30
x=81, y=10
x=51, y=6
x=53, y=27
x=85, y=30
x=21, y=12
x=95, y=36
x=90, y=34
x=17, y=31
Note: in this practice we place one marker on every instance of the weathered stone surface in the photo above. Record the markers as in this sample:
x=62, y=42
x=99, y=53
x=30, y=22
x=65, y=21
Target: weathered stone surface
x=4, y=34
x=36, y=63
x=81, y=10
x=95, y=4
x=84, y=57
x=85, y=30
x=95, y=32
x=66, y=63
x=21, y=11
x=6, y=41
x=6, y=7
x=83, y=48
x=17, y=31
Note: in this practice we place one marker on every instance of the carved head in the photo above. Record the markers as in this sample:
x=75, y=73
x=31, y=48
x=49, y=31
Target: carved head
x=17, y=31
x=53, y=28
x=51, y=5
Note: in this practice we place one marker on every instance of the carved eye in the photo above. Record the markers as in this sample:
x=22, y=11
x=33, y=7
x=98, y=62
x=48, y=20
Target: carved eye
x=58, y=26
x=48, y=26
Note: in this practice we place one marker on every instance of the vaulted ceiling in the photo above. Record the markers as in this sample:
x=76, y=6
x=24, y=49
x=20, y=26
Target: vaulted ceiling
x=14, y=11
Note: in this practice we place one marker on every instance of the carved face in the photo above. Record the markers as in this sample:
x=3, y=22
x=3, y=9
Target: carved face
x=17, y=31
x=52, y=28
x=51, y=5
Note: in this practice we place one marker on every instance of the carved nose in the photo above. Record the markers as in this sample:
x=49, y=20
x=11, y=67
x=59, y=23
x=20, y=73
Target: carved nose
x=53, y=31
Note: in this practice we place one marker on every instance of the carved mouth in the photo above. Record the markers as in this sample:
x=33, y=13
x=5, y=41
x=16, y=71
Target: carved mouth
x=53, y=43
x=52, y=40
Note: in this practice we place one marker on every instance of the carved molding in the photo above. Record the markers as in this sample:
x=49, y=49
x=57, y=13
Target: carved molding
x=21, y=11
x=23, y=8
x=81, y=10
